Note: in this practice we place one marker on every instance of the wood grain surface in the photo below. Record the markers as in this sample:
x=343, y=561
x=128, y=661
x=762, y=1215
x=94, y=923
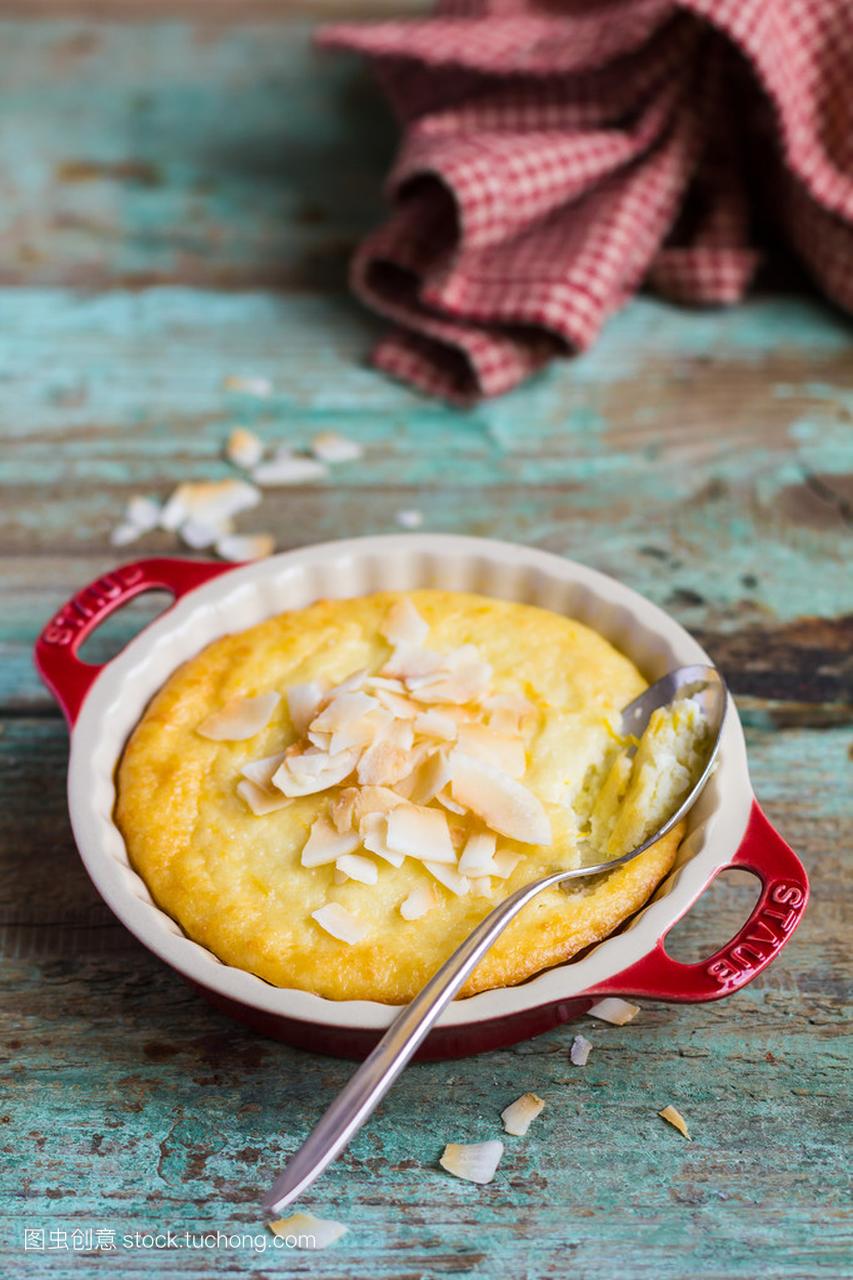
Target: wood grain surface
x=181, y=187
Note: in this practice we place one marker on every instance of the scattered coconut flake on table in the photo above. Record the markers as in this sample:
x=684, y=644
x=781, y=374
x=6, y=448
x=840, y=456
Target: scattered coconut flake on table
x=124, y=533
x=200, y=534
x=210, y=501
x=304, y=1231
x=580, y=1051
x=472, y=1161
x=519, y=1115
x=288, y=468
x=240, y=718
x=676, y=1119
x=329, y=446
x=245, y=546
x=409, y=519
x=250, y=386
x=244, y=448
x=142, y=512
x=326, y=844
x=614, y=1010
x=339, y=923
x=419, y=902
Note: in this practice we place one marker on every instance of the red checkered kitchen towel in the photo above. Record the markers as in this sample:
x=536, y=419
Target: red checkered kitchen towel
x=558, y=154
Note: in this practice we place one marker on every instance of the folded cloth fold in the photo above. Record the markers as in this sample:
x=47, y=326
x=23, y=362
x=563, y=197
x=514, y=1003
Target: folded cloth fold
x=556, y=157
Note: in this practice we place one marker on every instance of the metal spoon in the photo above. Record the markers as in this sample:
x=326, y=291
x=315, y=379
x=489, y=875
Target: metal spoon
x=378, y=1072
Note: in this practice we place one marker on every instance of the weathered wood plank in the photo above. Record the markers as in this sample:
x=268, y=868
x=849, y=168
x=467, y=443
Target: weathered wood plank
x=183, y=154
x=180, y=1121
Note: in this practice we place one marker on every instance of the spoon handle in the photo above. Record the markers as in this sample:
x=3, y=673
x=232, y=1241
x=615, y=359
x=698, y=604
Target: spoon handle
x=380, y=1069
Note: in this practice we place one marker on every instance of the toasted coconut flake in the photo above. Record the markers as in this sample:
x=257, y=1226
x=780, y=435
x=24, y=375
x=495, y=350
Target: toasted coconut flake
x=504, y=863
x=251, y=385
x=358, y=868
x=241, y=547
x=449, y=877
x=411, y=663
x=329, y=446
x=259, y=799
x=287, y=468
x=142, y=512
x=374, y=831
x=323, y=741
x=504, y=804
x=436, y=724
x=420, y=833
x=676, y=1119
x=261, y=771
x=304, y=1231
x=325, y=844
x=244, y=448
x=478, y=855
x=419, y=902
x=614, y=1010
x=502, y=751
x=472, y=1161
x=481, y=886
x=580, y=1051
x=409, y=519
x=431, y=777
x=388, y=759
x=354, y=803
x=175, y=511
x=444, y=798
x=340, y=877
x=339, y=923
x=295, y=780
x=303, y=702
x=124, y=533
x=519, y=1115
x=240, y=718
x=404, y=625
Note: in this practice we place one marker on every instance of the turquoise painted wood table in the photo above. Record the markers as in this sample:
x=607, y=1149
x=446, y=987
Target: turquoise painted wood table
x=180, y=187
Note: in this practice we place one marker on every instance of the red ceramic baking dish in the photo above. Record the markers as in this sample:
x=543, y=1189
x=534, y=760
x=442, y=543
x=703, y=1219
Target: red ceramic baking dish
x=102, y=704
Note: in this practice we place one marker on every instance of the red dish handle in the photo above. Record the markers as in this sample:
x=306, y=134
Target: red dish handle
x=784, y=894
x=68, y=678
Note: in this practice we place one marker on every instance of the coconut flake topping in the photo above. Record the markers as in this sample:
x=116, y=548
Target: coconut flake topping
x=240, y=718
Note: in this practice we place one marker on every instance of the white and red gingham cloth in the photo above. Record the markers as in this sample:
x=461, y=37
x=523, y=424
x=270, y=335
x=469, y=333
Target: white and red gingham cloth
x=558, y=154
